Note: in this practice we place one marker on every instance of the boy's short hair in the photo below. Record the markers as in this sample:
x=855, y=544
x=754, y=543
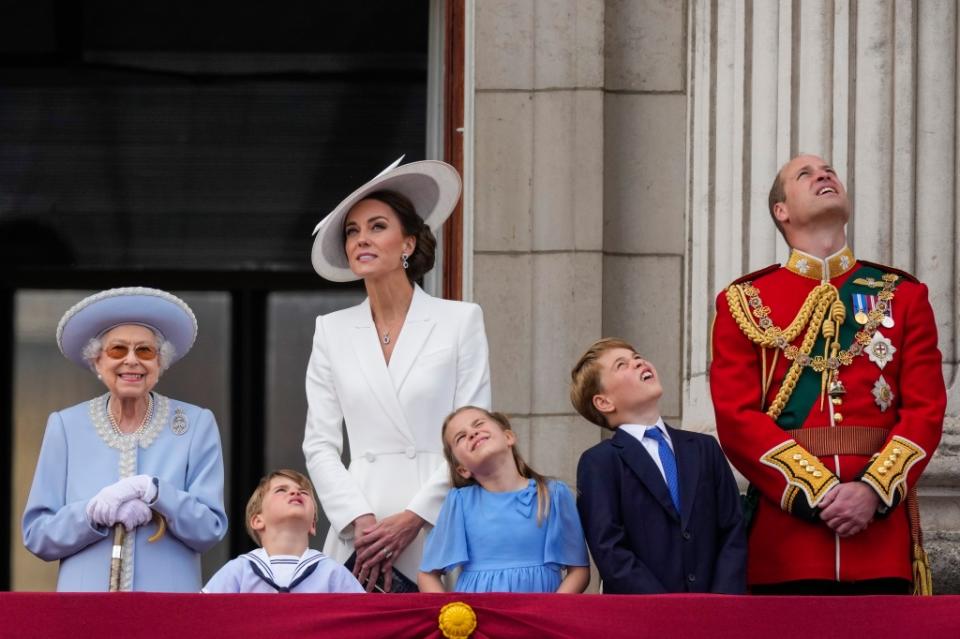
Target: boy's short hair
x=585, y=379
x=255, y=503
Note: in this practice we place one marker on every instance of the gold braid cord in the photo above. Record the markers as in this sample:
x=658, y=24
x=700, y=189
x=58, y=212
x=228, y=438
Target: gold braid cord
x=744, y=302
x=752, y=317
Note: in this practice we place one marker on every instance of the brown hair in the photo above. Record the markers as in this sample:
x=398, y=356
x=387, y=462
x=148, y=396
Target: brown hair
x=777, y=195
x=255, y=503
x=585, y=379
x=543, y=501
x=424, y=253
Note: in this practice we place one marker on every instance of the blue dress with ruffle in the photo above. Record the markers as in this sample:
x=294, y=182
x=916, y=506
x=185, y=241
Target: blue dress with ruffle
x=495, y=538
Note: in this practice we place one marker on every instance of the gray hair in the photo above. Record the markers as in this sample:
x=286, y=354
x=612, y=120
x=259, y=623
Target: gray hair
x=166, y=352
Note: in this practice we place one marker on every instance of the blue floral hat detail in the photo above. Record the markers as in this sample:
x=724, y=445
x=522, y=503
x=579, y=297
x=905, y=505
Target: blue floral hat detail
x=95, y=315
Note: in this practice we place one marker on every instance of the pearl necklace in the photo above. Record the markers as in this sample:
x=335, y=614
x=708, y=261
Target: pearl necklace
x=143, y=422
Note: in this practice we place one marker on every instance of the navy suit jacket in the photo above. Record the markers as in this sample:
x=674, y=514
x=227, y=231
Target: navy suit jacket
x=638, y=540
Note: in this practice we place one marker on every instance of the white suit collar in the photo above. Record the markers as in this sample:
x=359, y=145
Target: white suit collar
x=385, y=382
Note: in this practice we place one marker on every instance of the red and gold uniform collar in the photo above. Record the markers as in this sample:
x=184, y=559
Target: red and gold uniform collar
x=822, y=270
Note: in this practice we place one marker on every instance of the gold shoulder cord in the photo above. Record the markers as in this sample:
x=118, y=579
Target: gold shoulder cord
x=740, y=299
x=823, y=302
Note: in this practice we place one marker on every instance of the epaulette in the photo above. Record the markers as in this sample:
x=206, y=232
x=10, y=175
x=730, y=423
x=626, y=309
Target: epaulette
x=749, y=277
x=890, y=269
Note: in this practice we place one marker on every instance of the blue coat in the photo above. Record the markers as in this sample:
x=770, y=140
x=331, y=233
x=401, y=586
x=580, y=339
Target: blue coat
x=81, y=454
x=641, y=545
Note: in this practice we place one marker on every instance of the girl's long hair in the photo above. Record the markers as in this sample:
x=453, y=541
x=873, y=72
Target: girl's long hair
x=543, y=495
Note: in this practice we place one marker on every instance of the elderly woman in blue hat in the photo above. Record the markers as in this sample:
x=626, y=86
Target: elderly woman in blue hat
x=392, y=368
x=130, y=457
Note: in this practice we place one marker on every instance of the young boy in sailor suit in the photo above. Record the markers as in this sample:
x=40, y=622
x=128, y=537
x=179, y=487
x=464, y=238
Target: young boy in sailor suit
x=281, y=516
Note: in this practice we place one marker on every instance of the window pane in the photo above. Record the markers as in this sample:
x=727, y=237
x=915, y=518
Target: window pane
x=203, y=378
x=43, y=382
x=290, y=325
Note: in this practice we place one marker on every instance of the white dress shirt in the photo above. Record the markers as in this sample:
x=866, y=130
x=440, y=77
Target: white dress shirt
x=652, y=447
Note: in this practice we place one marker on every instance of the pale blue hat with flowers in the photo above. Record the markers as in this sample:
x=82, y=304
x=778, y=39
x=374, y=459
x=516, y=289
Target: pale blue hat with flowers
x=95, y=315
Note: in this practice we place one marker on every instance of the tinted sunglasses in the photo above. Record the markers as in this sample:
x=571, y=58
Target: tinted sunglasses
x=143, y=351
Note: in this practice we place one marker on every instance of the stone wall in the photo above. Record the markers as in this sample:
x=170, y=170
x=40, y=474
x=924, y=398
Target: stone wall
x=580, y=185
x=538, y=234
x=623, y=151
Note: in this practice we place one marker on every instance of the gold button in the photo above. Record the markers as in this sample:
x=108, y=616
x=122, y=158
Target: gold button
x=896, y=450
x=817, y=473
x=836, y=401
x=803, y=463
x=837, y=418
x=892, y=458
x=888, y=464
x=811, y=469
x=882, y=470
x=797, y=457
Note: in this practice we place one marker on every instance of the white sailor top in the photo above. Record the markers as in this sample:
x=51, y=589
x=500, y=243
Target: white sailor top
x=258, y=572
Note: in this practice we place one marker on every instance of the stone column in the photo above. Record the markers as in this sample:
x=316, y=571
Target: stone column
x=644, y=157
x=538, y=211
x=873, y=86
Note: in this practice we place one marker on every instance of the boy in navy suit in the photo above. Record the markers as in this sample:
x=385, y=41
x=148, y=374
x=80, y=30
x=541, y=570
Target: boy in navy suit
x=660, y=508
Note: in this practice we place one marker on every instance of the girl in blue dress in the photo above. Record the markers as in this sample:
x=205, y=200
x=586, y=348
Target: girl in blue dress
x=508, y=528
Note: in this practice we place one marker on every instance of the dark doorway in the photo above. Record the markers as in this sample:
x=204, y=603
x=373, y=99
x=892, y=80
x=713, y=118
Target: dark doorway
x=191, y=147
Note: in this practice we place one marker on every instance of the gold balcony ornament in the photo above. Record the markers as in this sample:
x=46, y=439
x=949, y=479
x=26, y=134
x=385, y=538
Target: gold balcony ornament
x=457, y=620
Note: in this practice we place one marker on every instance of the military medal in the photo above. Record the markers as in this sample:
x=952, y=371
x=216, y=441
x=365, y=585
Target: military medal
x=882, y=394
x=887, y=320
x=880, y=350
x=860, y=306
x=887, y=309
x=179, y=425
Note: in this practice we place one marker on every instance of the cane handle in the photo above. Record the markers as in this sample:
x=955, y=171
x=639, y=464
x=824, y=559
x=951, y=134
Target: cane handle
x=161, y=527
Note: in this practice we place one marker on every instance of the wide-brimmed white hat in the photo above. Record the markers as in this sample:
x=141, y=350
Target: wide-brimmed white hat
x=95, y=315
x=432, y=186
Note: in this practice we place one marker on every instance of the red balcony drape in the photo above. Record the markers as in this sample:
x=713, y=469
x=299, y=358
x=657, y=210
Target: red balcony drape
x=501, y=616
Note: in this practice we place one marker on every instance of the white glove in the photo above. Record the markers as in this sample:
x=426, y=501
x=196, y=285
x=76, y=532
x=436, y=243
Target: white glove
x=102, y=509
x=133, y=514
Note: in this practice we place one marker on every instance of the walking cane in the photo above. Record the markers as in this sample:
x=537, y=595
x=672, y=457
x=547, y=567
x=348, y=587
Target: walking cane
x=116, y=555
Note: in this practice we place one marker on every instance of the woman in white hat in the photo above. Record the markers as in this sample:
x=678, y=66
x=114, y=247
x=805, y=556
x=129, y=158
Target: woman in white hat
x=129, y=457
x=391, y=368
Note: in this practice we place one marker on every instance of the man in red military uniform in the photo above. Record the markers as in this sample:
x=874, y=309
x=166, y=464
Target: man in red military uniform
x=829, y=396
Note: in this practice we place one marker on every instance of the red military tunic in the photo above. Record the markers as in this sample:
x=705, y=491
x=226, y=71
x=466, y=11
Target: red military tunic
x=906, y=398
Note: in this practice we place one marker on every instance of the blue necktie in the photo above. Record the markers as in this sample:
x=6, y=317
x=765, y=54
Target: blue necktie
x=669, y=464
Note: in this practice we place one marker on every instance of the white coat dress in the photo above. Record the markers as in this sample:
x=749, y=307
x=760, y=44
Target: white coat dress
x=393, y=414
